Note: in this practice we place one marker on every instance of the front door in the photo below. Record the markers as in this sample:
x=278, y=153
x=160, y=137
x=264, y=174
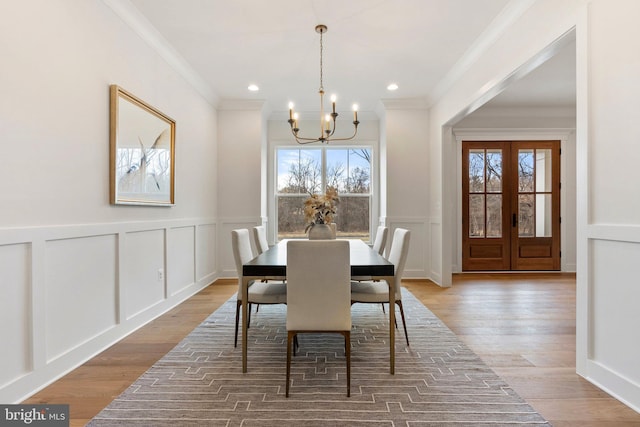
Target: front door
x=511, y=205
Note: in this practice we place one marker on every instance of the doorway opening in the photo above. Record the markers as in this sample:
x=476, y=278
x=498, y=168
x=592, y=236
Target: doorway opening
x=510, y=205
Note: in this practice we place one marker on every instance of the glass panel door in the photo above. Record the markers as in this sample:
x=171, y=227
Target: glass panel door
x=486, y=233
x=536, y=242
x=511, y=205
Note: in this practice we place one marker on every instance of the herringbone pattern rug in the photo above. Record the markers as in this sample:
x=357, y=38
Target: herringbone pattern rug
x=438, y=380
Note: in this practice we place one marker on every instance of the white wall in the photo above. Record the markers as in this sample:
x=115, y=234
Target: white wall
x=78, y=274
x=609, y=222
x=608, y=226
x=240, y=140
x=407, y=182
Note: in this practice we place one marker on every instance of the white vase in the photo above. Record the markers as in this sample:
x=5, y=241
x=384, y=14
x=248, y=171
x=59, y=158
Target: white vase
x=321, y=232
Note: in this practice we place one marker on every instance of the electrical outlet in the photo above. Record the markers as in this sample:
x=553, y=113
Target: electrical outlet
x=160, y=274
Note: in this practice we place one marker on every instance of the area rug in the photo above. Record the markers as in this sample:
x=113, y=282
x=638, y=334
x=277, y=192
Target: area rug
x=438, y=381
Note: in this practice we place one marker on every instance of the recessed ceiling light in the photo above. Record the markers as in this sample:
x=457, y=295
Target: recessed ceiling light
x=253, y=88
x=392, y=86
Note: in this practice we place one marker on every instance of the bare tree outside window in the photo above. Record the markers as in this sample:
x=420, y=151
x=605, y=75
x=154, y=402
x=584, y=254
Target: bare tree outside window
x=485, y=188
x=526, y=218
x=300, y=173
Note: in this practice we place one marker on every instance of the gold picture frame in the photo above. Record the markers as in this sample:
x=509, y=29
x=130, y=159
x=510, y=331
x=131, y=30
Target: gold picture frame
x=142, y=152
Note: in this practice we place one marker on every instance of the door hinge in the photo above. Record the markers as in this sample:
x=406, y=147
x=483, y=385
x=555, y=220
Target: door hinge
x=560, y=151
x=560, y=221
x=560, y=186
x=560, y=254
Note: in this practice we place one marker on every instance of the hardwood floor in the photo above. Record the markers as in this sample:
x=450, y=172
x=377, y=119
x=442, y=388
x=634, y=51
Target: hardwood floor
x=522, y=325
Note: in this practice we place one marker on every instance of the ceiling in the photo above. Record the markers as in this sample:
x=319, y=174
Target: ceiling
x=422, y=45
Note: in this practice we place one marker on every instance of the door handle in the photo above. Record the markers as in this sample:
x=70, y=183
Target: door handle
x=514, y=220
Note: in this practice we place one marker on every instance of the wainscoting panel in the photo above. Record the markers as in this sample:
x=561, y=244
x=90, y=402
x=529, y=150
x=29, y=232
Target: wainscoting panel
x=71, y=291
x=206, y=251
x=226, y=252
x=615, y=310
x=416, y=266
x=80, y=293
x=435, y=261
x=181, y=258
x=613, y=294
x=15, y=311
x=142, y=285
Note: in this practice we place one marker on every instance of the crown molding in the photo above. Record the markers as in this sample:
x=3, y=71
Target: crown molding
x=507, y=134
x=405, y=104
x=551, y=111
x=131, y=16
x=242, y=104
x=310, y=116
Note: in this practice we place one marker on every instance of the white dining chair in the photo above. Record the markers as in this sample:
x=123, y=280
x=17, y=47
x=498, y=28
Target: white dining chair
x=260, y=237
x=378, y=292
x=380, y=241
x=272, y=292
x=318, y=293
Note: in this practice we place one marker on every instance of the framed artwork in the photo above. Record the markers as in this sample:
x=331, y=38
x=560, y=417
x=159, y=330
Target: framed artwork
x=142, y=152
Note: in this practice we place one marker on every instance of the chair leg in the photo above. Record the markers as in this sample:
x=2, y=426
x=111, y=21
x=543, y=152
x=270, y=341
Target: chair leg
x=382, y=304
x=235, y=342
x=249, y=316
x=347, y=353
x=290, y=336
x=404, y=323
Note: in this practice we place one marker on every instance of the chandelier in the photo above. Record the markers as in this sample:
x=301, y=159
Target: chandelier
x=327, y=121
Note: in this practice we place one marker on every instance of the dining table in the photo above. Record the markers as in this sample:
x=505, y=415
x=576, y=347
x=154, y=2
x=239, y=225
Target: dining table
x=366, y=264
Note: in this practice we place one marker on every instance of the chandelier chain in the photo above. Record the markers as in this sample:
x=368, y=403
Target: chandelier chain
x=321, y=48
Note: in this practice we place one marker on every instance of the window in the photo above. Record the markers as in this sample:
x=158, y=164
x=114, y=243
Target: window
x=302, y=171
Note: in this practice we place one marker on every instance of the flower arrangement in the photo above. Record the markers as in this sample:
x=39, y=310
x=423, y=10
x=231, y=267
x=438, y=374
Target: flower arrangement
x=320, y=209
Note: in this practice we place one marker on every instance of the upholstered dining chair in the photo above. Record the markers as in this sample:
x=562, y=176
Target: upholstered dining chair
x=272, y=292
x=378, y=292
x=318, y=278
x=260, y=237
x=380, y=242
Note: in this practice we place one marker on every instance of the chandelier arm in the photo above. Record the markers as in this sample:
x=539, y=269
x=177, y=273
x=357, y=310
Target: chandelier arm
x=300, y=139
x=355, y=132
x=307, y=142
x=332, y=130
x=342, y=139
